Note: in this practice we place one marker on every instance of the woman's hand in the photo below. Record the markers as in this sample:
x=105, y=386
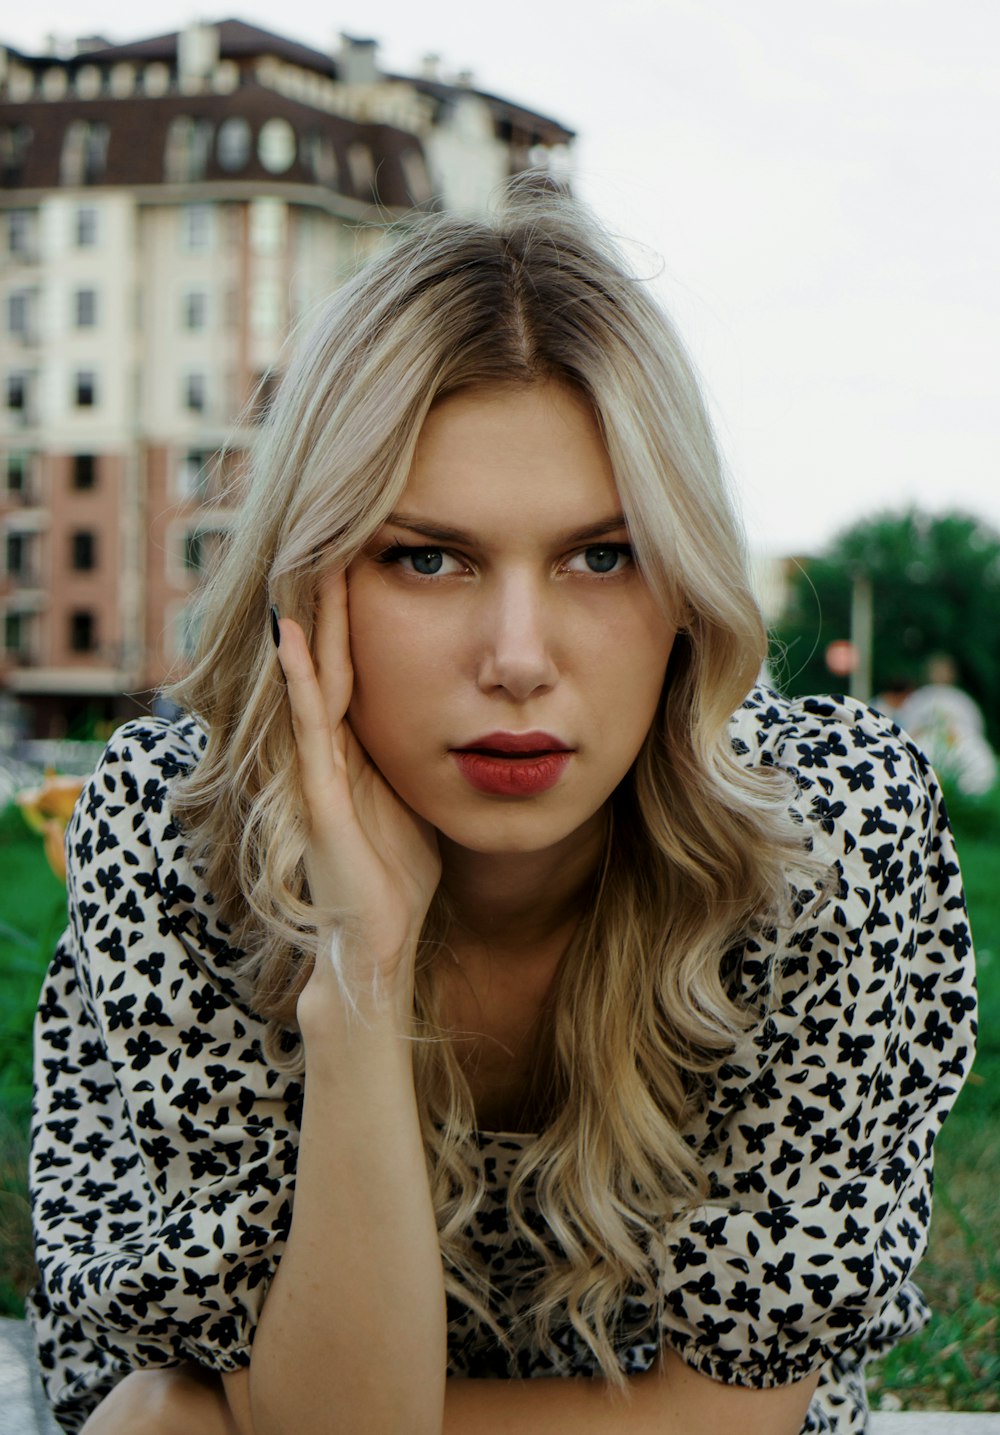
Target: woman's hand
x=184, y=1400
x=372, y=864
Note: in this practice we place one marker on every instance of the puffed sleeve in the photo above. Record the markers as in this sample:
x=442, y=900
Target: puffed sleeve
x=817, y=1134
x=164, y=1142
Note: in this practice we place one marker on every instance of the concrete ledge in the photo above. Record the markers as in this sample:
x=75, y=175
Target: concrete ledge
x=945, y=1423
x=23, y=1410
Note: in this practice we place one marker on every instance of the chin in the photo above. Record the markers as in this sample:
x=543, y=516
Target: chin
x=513, y=834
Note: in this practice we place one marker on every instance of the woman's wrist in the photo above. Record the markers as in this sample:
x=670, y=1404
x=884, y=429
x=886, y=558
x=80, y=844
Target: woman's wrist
x=348, y=985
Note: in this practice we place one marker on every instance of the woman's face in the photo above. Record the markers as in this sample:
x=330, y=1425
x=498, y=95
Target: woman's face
x=508, y=655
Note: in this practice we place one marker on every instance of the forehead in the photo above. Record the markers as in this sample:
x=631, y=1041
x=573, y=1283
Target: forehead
x=530, y=448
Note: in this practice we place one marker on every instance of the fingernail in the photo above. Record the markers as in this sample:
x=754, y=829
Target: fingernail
x=275, y=630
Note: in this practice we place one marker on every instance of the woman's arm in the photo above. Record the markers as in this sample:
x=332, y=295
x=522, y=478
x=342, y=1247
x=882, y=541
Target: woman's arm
x=672, y=1401
x=353, y=1330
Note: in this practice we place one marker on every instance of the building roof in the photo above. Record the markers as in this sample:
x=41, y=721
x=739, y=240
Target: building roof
x=239, y=40
x=139, y=126
x=543, y=128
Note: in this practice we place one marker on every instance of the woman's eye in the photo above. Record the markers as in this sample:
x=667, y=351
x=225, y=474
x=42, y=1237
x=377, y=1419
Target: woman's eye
x=422, y=562
x=603, y=558
x=426, y=561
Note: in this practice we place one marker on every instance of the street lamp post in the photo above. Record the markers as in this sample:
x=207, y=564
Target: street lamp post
x=861, y=635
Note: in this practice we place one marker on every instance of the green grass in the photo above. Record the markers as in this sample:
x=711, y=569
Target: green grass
x=953, y=1365
x=32, y=913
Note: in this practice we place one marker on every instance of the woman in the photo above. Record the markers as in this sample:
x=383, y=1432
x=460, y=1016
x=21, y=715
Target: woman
x=596, y=1031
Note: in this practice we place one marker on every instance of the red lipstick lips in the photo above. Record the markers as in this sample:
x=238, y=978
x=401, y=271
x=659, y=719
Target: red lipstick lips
x=513, y=764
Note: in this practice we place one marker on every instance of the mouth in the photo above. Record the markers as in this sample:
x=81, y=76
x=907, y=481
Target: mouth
x=507, y=764
x=515, y=744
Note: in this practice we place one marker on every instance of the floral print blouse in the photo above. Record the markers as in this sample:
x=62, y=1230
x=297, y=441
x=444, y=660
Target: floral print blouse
x=164, y=1141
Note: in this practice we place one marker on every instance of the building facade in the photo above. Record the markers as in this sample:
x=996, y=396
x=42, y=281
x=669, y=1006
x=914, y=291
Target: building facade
x=169, y=210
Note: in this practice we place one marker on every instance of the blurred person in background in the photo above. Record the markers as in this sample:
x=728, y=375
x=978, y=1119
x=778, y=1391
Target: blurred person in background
x=948, y=725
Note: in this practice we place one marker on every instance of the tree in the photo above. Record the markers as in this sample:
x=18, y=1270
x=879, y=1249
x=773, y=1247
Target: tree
x=936, y=589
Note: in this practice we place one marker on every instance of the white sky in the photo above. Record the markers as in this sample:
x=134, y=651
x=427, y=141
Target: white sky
x=815, y=186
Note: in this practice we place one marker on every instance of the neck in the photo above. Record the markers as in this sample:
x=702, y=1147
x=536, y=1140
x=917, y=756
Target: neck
x=516, y=903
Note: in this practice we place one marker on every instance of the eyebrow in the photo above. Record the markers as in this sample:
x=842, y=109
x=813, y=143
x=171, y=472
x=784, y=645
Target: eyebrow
x=444, y=534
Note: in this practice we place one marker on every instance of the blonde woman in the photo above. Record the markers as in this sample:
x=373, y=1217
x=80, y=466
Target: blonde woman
x=488, y=981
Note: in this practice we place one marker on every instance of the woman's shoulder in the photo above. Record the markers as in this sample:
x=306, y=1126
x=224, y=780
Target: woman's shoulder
x=169, y=746
x=827, y=741
x=141, y=761
x=131, y=878
x=823, y=727
x=858, y=782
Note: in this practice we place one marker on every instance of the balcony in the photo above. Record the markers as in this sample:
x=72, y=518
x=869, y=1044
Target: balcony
x=26, y=497
x=24, y=578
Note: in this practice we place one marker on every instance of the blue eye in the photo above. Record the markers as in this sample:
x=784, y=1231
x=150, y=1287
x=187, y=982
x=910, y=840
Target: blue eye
x=426, y=560
x=421, y=562
x=604, y=558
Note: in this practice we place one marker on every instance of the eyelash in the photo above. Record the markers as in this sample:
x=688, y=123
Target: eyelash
x=397, y=553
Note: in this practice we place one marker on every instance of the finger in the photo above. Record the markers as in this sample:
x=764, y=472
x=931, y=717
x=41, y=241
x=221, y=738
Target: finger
x=311, y=720
x=334, y=669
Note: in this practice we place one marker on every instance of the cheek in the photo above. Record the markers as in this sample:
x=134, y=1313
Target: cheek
x=634, y=654
x=399, y=657
x=636, y=669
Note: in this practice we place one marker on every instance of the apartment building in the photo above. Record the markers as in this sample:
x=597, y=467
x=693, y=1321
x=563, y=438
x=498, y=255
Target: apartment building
x=168, y=210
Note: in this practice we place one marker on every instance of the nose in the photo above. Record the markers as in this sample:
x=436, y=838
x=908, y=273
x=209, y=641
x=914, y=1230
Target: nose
x=517, y=655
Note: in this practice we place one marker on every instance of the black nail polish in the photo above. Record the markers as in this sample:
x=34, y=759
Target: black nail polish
x=275, y=630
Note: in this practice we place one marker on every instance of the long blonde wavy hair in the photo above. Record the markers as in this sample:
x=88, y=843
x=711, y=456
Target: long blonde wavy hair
x=698, y=846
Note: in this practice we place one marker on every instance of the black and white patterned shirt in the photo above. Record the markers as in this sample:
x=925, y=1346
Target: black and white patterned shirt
x=164, y=1142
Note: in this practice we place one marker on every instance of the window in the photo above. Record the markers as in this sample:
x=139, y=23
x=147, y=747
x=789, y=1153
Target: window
x=18, y=312
x=15, y=142
x=17, y=392
x=86, y=226
x=84, y=470
x=16, y=547
x=194, y=551
x=319, y=154
x=195, y=473
x=195, y=310
x=88, y=81
x=17, y=474
x=189, y=146
x=84, y=152
x=85, y=388
x=19, y=232
x=85, y=308
x=197, y=226
x=276, y=146
x=20, y=553
x=82, y=631
x=156, y=78
x=202, y=548
x=83, y=551
x=233, y=144
x=194, y=393
x=14, y=631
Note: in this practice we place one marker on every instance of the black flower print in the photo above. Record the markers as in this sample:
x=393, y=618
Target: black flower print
x=164, y=1142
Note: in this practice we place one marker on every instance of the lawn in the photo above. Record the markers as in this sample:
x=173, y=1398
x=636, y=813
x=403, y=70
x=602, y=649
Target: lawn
x=953, y=1365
